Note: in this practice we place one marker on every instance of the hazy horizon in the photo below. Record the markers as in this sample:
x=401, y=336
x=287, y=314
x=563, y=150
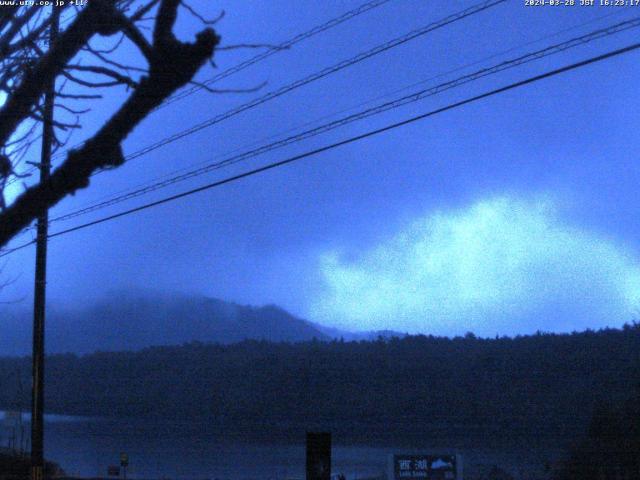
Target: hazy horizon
x=509, y=215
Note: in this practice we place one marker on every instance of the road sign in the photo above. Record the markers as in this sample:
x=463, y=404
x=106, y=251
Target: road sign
x=425, y=467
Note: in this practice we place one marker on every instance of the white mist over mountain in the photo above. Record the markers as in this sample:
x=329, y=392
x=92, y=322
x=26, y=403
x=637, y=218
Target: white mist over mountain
x=502, y=265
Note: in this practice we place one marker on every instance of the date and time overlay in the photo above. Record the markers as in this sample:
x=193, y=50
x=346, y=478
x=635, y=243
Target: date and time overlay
x=582, y=3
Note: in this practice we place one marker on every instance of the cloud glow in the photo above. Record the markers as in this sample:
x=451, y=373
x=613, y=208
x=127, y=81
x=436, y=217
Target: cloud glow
x=503, y=265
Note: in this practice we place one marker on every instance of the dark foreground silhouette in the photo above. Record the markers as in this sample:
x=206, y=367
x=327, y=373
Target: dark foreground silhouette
x=611, y=449
x=17, y=467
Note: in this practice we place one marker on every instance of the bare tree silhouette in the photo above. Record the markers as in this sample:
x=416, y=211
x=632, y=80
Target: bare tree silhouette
x=28, y=65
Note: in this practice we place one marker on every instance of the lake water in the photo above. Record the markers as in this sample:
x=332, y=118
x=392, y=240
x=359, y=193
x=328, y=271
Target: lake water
x=86, y=447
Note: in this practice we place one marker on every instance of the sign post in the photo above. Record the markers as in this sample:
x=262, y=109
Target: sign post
x=124, y=463
x=318, y=456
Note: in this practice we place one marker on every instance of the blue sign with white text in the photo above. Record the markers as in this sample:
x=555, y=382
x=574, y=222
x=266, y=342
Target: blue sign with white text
x=424, y=467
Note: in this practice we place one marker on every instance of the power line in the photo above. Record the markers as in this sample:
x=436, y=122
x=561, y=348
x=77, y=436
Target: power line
x=336, y=21
x=266, y=54
x=474, y=9
x=283, y=46
x=477, y=8
x=405, y=100
x=347, y=141
x=132, y=189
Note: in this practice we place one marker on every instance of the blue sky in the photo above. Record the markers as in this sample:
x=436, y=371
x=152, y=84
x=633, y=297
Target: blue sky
x=509, y=215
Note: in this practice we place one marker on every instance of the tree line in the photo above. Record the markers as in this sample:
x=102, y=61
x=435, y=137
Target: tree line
x=544, y=386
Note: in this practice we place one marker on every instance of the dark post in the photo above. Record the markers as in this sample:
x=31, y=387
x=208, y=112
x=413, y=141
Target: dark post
x=124, y=463
x=39, y=297
x=318, y=456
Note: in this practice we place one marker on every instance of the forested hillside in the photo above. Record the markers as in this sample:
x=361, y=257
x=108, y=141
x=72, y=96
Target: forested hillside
x=545, y=385
x=135, y=320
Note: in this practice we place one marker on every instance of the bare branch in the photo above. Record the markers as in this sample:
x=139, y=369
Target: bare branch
x=99, y=70
x=133, y=34
x=142, y=11
x=16, y=26
x=28, y=40
x=87, y=83
x=172, y=64
x=55, y=123
x=163, y=31
x=96, y=17
x=193, y=12
x=107, y=50
x=71, y=110
x=21, y=138
x=113, y=63
x=75, y=96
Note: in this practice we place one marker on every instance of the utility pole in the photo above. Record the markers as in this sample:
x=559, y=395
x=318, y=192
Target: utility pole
x=39, y=297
